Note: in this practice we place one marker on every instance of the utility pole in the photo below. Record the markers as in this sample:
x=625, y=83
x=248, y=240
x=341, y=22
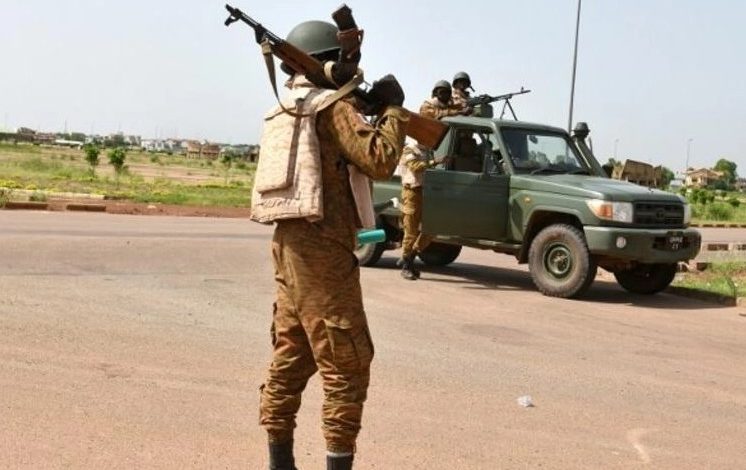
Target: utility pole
x=688, y=147
x=574, y=68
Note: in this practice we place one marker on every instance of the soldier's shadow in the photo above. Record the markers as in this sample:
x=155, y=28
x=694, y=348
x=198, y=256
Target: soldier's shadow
x=475, y=276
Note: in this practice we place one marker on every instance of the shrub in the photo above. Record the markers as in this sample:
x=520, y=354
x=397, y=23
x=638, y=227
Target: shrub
x=734, y=201
x=4, y=196
x=720, y=211
x=697, y=211
x=37, y=196
x=117, y=157
x=91, y=156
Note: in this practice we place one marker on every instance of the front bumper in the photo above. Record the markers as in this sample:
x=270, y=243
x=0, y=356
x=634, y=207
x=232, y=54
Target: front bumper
x=643, y=245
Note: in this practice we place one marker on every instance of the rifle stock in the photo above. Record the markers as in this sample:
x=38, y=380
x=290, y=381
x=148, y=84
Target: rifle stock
x=428, y=132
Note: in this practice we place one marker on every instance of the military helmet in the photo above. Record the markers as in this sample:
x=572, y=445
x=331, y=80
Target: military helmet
x=314, y=37
x=462, y=76
x=441, y=84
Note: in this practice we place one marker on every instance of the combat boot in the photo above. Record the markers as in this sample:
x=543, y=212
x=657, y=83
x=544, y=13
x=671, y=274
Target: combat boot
x=409, y=272
x=339, y=462
x=281, y=456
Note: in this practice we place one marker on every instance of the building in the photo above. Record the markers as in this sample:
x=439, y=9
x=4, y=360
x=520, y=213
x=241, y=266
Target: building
x=195, y=149
x=701, y=177
x=640, y=173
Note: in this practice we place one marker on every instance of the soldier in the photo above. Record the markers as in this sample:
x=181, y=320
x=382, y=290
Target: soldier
x=318, y=320
x=440, y=104
x=461, y=86
x=413, y=163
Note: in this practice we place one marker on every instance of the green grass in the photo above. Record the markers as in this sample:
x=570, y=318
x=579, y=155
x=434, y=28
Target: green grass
x=727, y=279
x=65, y=170
x=24, y=148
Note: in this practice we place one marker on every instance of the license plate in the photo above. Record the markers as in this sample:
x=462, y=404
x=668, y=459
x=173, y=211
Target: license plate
x=674, y=241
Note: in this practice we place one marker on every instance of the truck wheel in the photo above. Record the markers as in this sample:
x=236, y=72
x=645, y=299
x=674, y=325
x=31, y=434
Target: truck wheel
x=560, y=263
x=440, y=254
x=646, y=278
x=369, y=254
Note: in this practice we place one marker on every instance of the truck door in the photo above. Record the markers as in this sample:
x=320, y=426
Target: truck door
x=469, y=198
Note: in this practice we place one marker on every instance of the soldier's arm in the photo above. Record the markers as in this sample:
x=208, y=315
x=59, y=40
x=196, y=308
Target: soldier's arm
x=429, y=110
x=374, y=150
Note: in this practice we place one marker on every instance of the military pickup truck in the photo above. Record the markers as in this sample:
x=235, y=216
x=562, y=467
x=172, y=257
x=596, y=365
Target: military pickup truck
x=537, y=193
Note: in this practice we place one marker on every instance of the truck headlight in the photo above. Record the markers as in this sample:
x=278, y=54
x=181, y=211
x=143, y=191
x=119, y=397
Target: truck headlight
x=614, y=211
x=687, y=214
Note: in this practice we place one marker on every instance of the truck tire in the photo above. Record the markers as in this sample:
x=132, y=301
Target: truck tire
x=440, y=254
x=646, y=278
x=369, y=254
x=560, y=263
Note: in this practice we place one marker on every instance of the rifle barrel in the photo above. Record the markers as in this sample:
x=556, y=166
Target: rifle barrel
x=261, y=31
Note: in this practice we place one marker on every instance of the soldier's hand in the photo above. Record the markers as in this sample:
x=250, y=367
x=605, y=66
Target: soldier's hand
x=387, y=92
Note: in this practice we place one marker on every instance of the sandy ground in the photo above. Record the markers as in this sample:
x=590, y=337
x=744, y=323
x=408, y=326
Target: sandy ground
x=139, y=342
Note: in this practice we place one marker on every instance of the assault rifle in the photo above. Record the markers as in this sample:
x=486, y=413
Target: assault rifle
x=428, y=132
x=483, y=100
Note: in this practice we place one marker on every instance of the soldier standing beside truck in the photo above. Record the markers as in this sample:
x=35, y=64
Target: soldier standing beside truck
x=414, y=161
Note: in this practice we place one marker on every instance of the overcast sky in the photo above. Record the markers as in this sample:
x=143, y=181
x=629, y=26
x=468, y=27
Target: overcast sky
x=652, y=74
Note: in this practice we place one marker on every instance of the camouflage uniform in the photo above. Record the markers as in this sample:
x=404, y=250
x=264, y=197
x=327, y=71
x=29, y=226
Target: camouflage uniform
x=459, y=98
x=319, y=322
x=414, y=162
x=436, y=109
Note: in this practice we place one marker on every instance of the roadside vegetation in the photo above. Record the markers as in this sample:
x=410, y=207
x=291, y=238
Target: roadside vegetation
x=724, y=279
x=716, y=205
x=132, y=175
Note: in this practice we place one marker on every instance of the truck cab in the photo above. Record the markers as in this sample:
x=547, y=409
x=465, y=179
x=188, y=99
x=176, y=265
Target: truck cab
x=537, y=193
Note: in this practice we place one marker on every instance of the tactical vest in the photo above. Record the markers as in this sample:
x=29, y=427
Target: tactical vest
x=412, y=151
x=288, y=182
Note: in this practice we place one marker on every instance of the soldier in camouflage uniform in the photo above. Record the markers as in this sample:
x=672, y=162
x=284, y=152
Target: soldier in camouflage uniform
x=461, y=86
x=440, y=104
x=318, y=320
x=413, y=163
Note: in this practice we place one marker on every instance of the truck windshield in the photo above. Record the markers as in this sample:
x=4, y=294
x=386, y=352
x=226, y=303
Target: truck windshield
x=537, y=152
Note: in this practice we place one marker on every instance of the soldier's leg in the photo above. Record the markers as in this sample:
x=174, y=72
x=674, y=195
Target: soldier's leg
x=408, y=221
x=332, y=314
x=292, y=360
x=411, y=223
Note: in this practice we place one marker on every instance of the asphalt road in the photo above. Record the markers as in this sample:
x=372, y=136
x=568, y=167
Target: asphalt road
x=140, y=342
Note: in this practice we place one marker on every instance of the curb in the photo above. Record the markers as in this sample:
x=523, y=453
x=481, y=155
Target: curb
x=26, y=205
x=86, y=207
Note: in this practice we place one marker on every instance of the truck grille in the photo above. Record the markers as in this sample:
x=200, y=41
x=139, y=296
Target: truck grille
x=659, y=214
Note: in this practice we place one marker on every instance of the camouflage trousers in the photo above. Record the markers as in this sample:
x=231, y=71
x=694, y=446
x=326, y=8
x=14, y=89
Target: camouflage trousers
x=414, y=240
x=319, y=324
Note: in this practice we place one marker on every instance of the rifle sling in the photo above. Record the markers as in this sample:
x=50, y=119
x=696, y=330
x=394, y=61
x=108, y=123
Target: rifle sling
x=344, y=90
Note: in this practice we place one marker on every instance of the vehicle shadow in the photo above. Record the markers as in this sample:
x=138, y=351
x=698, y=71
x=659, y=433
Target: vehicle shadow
x=603, y=289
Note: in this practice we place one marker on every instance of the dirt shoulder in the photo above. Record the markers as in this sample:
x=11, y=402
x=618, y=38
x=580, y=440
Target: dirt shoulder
x=137, y=208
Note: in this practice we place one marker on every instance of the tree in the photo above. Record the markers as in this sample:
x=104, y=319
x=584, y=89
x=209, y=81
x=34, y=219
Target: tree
x=117, y=156
x=666, y=177
x=729, y=170
x=117, y=140
x=77, y=136
x=91, y=156
x=227, y=162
